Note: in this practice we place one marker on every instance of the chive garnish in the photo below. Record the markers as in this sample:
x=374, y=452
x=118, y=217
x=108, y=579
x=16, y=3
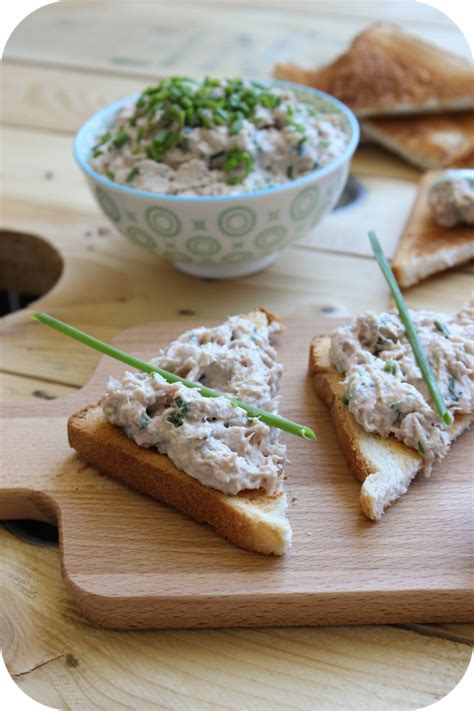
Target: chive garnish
x=391, y=366
x=442, y=328
x=121, y=139
x=165, y=111
x=269, y=418
x=132, y=174
x=412, y=336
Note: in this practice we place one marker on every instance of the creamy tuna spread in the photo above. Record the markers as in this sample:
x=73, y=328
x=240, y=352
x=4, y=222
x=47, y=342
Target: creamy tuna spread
x=451, y=198
x=384, y=388
x=216, y=137
x=209, y=438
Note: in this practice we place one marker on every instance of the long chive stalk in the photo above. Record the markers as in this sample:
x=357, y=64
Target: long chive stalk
x=268, y=418
x=415, y=343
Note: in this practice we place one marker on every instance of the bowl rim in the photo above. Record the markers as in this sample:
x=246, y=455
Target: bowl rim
x=346, y=154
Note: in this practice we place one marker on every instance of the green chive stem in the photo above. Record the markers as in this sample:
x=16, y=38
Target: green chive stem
x=418, y=350
x=268, y=418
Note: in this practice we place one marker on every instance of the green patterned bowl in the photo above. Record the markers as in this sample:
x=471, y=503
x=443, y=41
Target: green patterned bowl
x=223, y=236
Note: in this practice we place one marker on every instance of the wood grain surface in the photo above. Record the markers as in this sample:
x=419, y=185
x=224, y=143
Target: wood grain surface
x=57, y=70
x=168, y=571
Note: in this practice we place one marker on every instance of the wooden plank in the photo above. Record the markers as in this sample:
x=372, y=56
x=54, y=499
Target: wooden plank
x=456, y=632
x=183, y=38
x=56, y=99
x=15, y=388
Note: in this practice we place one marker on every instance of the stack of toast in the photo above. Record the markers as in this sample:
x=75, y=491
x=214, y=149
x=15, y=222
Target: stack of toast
x=416, y=100
x=412, y=97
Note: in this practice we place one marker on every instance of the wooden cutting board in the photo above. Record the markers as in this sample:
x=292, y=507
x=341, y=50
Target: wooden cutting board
x=130, y=562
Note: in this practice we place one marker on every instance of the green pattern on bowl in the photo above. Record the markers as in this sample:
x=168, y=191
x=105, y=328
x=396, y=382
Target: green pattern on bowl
x=162, y=221
x=237, y=221
x=305, y=203
x=236, y=257
x=270, y=238
x=203, y=246
x=108, y=205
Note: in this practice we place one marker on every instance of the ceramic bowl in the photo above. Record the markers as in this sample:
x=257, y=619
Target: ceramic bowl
x=223, y=236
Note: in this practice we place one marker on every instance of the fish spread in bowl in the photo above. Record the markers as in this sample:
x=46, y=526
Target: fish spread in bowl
x=216, y=137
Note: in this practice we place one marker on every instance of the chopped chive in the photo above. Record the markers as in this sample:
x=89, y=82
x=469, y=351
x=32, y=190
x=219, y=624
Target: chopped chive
x=442, y=329
x=391, y=366
x=420, y=448
x=269, y=418
x=412, y=336
x=345, y=400
x=452, y=390
x=132, y=174
x=120, y=139
x=236, y=126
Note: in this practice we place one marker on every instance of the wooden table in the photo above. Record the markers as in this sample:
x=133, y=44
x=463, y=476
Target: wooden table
x=62, y=63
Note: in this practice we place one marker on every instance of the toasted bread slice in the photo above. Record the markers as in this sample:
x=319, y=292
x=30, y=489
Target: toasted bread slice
x=466, y=160
x=252, y=519
x=427, y=141
x=426, y=247
x=388, y=71
x=385, y=466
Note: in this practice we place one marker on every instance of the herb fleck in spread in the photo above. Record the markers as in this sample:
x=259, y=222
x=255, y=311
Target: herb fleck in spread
x=216, y=137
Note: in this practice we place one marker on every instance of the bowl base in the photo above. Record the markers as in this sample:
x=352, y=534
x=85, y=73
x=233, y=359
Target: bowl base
x=226, y=271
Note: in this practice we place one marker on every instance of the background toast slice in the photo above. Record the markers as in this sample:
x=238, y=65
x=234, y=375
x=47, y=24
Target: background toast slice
x=388, y=71
x=385, y=466
x=426, y=247
x=427, y=141
x=251, y=520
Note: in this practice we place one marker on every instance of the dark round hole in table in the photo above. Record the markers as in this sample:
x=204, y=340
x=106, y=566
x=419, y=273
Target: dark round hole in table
x=39, y=533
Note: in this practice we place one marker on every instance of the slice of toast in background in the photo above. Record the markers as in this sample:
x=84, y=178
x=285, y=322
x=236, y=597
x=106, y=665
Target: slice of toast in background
x=425, y=247
x=251, y=520
x=427, y=141
x=389, y=71
x=384, y=465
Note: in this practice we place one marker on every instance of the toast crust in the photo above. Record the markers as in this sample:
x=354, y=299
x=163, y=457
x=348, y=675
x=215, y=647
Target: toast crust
x=251, y=520
x=389, y=71
x=428, y=141
x=425, y=247
x=384, y=465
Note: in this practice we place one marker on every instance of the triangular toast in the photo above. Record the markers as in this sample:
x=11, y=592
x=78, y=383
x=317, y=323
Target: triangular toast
x=385, y=466
x=428, y=141
x=426, y=247
x=251, y=519
x=389, y=71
